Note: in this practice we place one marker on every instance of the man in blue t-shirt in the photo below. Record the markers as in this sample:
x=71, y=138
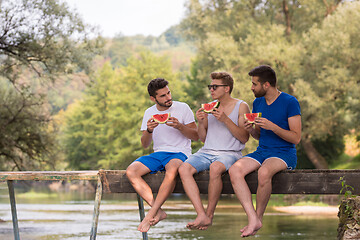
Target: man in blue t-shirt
x=278, y=130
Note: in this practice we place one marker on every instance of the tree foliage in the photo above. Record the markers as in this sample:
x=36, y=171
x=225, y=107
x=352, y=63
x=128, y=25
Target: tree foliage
x=39, y=40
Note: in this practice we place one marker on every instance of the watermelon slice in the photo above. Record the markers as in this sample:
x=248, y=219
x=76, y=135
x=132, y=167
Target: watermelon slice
x=209, y=107
x=251, y=116
x=161, y=118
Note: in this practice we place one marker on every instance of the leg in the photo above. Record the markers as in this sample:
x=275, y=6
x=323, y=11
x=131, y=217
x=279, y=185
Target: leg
x=268, y=169
x=155, y=213
x=187, y=172
x=214, y=191
x=134, y=172
x=237, y=172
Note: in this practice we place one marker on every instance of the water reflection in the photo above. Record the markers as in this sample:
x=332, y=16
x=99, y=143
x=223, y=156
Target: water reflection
x=68, y=217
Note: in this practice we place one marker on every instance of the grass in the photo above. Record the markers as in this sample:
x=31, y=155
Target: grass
x=346, y=162
x=36, y=195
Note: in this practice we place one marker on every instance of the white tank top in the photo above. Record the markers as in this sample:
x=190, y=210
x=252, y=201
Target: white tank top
x=219, y=140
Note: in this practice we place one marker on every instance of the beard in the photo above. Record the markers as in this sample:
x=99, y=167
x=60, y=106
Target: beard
x=261, y=93
x=165, y=104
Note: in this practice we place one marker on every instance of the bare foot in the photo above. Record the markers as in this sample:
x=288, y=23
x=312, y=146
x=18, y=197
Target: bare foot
x=161, y=215
x=144, y=225
x=243, y=229
x=201, y=222
x=251, y=229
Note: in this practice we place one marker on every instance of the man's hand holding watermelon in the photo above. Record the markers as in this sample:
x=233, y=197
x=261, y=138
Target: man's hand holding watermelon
x=151, y=124
x=265, y=124
x=219, y=115
x=174, y=122
x=250, y=123
x=201, y=116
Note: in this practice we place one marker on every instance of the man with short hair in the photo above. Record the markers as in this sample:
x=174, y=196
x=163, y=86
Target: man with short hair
x=278, y=131
x=171, y=144
x=224, y=137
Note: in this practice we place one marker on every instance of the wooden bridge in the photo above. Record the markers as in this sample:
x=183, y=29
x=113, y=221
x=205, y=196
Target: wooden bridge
x=115, y=181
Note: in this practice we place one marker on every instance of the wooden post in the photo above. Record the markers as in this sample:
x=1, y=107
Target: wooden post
x=142, y=214
x=13, y=210
x=96, y=212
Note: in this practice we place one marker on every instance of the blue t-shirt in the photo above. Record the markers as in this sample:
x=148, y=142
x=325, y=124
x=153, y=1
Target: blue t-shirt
x=284, y=107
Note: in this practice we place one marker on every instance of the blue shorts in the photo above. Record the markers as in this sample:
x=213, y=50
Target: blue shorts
x=288, y=156
x=156, y=161
x=202, y=161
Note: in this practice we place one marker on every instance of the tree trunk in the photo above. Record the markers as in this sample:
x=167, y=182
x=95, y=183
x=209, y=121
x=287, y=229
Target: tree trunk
x=287, y=17
x=331, y=8
x=314, y=156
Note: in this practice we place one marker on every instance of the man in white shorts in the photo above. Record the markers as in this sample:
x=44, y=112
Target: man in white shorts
x=224, y=137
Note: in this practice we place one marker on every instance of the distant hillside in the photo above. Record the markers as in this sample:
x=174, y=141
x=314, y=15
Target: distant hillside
x=170, y=43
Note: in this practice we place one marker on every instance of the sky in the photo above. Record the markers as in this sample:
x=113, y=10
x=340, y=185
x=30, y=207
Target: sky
x=130, y=17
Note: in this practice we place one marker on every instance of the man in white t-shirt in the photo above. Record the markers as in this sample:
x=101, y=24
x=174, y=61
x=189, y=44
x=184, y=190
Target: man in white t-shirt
x=171, y=144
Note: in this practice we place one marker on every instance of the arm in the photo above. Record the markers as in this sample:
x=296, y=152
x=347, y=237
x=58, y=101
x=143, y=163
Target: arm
x=146, y=137
x=253, y=129
x=188, y=130
x=293, y=135
x=201, y=116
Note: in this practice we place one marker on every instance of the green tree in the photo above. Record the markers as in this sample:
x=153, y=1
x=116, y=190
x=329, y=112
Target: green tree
x=39, y=40
x=329, y=83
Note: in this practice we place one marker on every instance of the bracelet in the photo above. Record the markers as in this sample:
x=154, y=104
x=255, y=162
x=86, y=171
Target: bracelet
x=148, y=130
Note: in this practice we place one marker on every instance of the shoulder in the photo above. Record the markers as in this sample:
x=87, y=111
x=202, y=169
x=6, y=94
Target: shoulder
x=241, y=103
x=180, y=105
x=288, y=97
x=243, y=108
x=150, y=109
x=292, y=104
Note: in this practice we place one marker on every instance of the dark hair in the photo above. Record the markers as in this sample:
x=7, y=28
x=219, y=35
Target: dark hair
x=225, y=77
x=265, y=74
x=156, y=84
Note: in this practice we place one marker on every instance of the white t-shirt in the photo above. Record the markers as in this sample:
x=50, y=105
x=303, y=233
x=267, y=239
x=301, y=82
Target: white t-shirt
x=166, y=138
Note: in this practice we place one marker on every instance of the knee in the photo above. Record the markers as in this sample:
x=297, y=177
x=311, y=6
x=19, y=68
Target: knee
x=185, y=170
x=264, y=176
x=171, y=173
x=235, y=171
x=216, y=170
x=131, y=172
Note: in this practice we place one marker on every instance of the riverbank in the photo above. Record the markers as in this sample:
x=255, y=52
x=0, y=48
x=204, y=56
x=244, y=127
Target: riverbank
x=330, y=211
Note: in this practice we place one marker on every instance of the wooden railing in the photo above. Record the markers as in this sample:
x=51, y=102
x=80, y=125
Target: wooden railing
x=115, y=181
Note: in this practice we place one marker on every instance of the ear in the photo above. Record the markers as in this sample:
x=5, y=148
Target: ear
x=227, y=88
x=152, y=99
x=266, y=85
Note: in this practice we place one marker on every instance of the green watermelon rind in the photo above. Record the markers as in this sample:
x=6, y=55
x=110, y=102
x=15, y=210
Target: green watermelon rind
x=212, y=109
x=249, y=120
x=159, y=121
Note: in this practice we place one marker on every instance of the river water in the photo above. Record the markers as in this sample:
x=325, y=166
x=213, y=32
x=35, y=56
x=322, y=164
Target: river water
x=68, y=216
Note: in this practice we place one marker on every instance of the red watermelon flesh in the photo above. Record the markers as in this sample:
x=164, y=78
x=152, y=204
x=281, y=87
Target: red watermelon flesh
x=251, y=116
x=209, y=107
x=161, y=118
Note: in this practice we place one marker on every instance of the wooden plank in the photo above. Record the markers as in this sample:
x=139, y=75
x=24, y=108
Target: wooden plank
x=95, y=221
x=49, y=175
x=284, y=182
x=13, y=210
